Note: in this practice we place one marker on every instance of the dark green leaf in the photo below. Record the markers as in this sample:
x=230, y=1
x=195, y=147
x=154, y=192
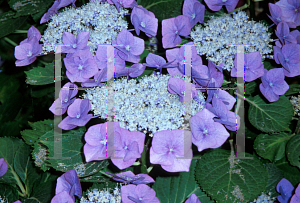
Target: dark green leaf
x=40, y=75
x=9, y=24
x=43, y=92
x=270, y=117
x=293, y=150
x=10, y=129
x=8, y=192
x=228, y=179
x=27, y=7
x=251, y=87
x=275, y=175
x=272, y=146
x=290, y=172
x=72, y=151
x=38, y=129
x=163, y=9
x=176, y=189
x=294, y=89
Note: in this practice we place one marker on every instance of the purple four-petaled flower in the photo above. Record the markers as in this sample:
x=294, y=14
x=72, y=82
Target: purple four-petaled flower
x=194, y=10
x=177, y=86
x=285, y=189
x=138, y=194
x=216, y=5
x=129, y=177
x=72, y=44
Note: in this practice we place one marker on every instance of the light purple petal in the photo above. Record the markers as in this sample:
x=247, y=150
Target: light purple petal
x=193, y=199
x=62, y=197
x=3, y=167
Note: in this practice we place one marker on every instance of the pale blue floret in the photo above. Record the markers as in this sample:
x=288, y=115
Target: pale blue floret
x=100, y=18
x=263, y=198
x=216, y=37
x=146, y=106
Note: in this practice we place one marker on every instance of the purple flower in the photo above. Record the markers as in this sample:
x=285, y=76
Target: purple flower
x=18, y=201
x=77, y=114
x=129, y=177
x=32, y=32
x=206, y=132
x=138, y=194
x=119, y=3
x=289, y=58
x=194, y=10
x=66, y=94
x=283, y=33
x=177, y=86
x=129, y=47
x=296, y=197
x=52, y=10
x=134, y=71
x=80, y=66
x=226, y=117
x=3, y=167
x=144, y=21
x=212, y=73
x=173, y=28
x=129, y=146
x=102, y=59
x=70, y=183
x=290, y=11
x=193, y=199
x=62, y=197
x=64, y=3
x=216, y=5
x=273, y=84
x=296, y=35
x=276, y=13
x=27, y=52
x=99, y=78
x=285, y=188
x=72, y=44
x=253, y=66
x=157, y=62
x=168, y=146
x=213, y=91
x=99, y=146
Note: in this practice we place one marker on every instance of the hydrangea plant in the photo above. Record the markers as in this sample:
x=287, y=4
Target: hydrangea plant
x=148, y=104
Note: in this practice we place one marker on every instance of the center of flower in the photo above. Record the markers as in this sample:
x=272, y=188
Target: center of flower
x=29, y=54
x=182, y=92
x=140, y=198
x=193, y=15
x=127, y=47
x=143, y=24
x=125, y=147
x=247, y=67
x=176, y=32
x=278, y=19
x=205, y=131
x=78, y=115
x=74, y=46
x=287, y=60
x=271, y=84
x=171, y=150
x=109, y=60
x=296, y=10
x=66, y=100
x=224, y=1
x=103, y=141
x=80, y=67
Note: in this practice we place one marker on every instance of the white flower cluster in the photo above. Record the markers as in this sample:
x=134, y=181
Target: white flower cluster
x=219, y=37
x=102, y=20
x=146, y=106
x=40, y=157
x=102, y=196
x=3, y=200
x=263, y=198
x=296, y=104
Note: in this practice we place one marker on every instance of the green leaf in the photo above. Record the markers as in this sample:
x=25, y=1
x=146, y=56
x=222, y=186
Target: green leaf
x=40, y=75
x=272, y=146
x=72, y=151
x=293, y=150
x=270, y=64
x=228, y=179
x=9, y=84
x=9, y=24
x=275, y=175
x=38, y=129
x=27, y=7
x=294, y=89
x=10, y=129
x=39, y=155
x=163, y=9
x=9, y=192
x=251, y=87
x=270, y=117
x=45, y=91
x=290, y=172
x=176, y=189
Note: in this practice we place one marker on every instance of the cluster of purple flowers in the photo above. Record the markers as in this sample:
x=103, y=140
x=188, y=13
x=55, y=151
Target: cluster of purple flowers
x=288, y=194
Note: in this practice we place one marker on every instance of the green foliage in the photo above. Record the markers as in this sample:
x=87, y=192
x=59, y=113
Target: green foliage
x=41, y=75
x=38, y=129
x=271, y=146
x=290, y=172
x=228, y=179
x=293, y=150
x=251, y=87
x=275, y=175
x=163, y=9
x=294, y=89
x=176, y=189
x=72, y=153
x=8, y=23
x=9, y=192
x=270, y=117
x=27, y=7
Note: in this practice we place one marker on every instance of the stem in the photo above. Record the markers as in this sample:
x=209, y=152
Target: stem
x=10, y=41
x=21, y=186
x=143, y=158
x=43, y=62
x=21, y=31
x=297, y=130
x=105, y=174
